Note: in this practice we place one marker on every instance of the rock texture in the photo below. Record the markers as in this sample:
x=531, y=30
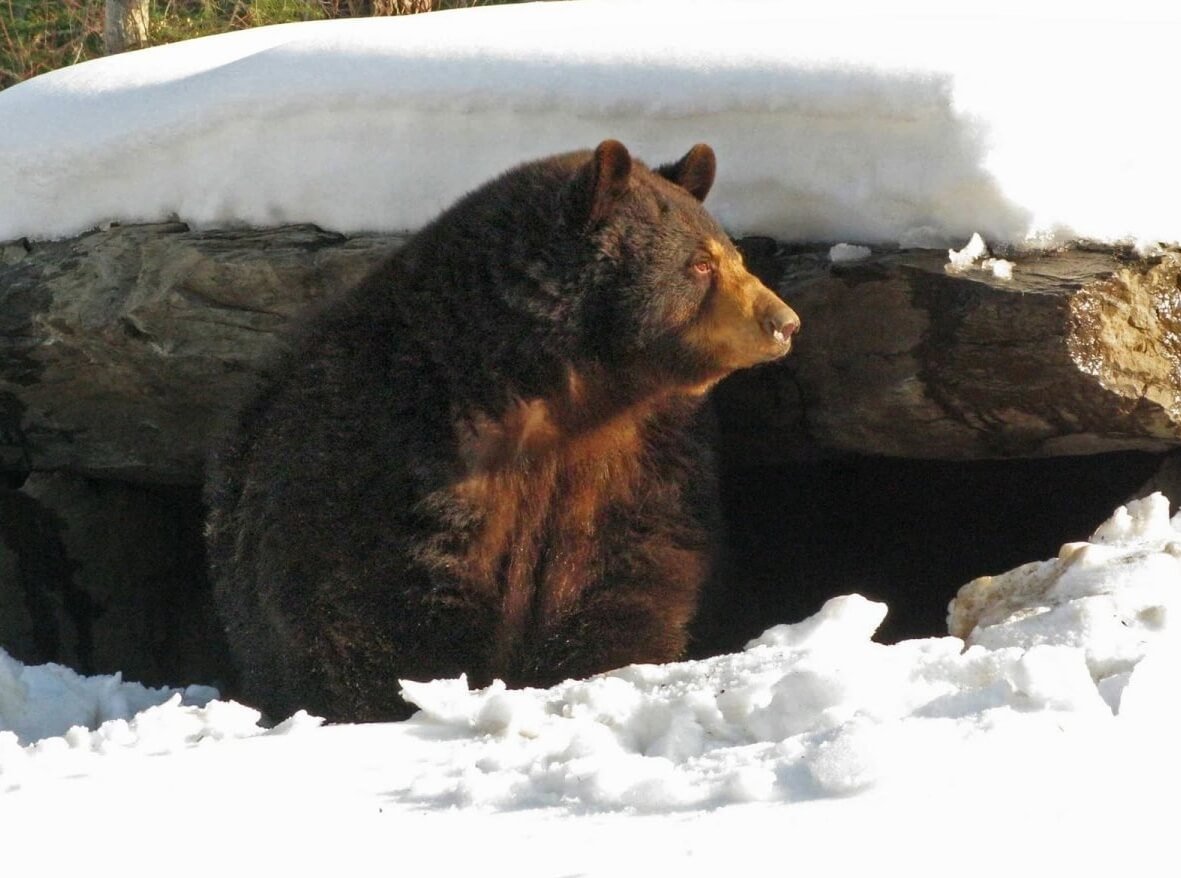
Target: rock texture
x=120, y=350
x=1078, y=353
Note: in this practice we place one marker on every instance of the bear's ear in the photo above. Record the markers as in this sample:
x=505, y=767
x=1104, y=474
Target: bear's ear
x=600, y=183
x=694, y=172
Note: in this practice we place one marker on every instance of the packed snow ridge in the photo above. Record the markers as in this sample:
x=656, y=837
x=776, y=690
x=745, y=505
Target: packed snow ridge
x=1054, y=657
x=915, y=124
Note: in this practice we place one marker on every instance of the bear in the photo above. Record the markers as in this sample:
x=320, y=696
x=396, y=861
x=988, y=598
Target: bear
x=491, y=457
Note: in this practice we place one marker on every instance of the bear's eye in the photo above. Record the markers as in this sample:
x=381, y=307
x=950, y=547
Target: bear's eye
x=703, y=268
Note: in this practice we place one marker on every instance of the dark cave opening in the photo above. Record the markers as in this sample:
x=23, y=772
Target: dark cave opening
x=906, y=532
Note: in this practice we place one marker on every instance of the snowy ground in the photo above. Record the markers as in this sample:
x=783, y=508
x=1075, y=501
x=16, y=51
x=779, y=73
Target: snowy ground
x=914, y=121
x=1046, y=744
x=1046, y=740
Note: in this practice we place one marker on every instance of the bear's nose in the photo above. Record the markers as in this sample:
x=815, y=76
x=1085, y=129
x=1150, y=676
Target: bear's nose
x=781, y=323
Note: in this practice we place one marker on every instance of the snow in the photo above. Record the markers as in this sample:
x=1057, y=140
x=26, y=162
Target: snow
x=1029, y=123
x=960, y=260
x=1039, y=737
x=47, y=701
x=1086, y=596
x=974, y=255
x=1001, y=268
x=848, y=253
x=1042, y=740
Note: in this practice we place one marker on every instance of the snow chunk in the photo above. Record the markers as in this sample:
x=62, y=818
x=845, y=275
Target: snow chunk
x=162, y=729
x=962, y=260
x=55, y=722
x=1115, y=597
x=839, y=253
x=1144, y=521
x=971, y=257
x=841, y=621
x=1000, y=268
x=47, y=700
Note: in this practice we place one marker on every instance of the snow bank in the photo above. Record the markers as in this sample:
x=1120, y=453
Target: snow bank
x=1063, y=660
x=1111, y=600
x=848, y=122
x=49, y=707
x=56, y=723
x=816, y=709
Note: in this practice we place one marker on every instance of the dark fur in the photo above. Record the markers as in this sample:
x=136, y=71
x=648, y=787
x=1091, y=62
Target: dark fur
x=487, y=458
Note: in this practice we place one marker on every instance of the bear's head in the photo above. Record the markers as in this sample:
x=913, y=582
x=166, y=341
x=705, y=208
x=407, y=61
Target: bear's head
x=669, y=291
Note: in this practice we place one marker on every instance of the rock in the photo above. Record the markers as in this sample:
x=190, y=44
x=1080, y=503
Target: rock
x=121, y=349
x=1078, y=353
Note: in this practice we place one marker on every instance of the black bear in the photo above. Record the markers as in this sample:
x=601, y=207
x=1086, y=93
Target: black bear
x=488, y=457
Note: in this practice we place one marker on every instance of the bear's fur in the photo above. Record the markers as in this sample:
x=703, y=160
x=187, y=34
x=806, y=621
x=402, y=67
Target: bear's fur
x=487, y=457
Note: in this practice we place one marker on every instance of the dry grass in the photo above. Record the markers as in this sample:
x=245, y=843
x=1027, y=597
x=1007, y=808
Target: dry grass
x=41, y=35
x=37, y=36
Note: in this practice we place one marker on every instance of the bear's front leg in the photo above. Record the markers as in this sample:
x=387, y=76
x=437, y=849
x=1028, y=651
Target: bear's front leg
x=637, y=611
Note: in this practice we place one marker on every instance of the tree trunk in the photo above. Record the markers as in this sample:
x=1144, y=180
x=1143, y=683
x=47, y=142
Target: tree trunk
x=401, y=7
x=126, y=25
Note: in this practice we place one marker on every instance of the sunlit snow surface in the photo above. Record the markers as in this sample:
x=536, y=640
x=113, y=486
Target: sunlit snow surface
x=916, y=121
x=1044, y=741
x=1052, y=732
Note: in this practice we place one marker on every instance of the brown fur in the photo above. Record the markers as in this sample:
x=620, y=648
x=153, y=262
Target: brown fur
x=517, y=468
x=490, y=457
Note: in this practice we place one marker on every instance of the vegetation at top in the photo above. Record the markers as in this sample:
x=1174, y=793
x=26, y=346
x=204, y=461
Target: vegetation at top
x=37, y=36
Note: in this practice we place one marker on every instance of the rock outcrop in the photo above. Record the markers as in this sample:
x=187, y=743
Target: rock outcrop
x=123, y=348
x=1078, y=353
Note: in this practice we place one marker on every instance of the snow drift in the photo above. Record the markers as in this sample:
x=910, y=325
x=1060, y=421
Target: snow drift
x=915, y=125
x=1059, y=654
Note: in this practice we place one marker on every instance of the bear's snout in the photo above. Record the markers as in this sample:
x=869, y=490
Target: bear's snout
x=780, y=322
x=776, y=323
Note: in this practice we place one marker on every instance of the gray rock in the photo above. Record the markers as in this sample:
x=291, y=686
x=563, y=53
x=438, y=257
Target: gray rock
x=119, y=350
